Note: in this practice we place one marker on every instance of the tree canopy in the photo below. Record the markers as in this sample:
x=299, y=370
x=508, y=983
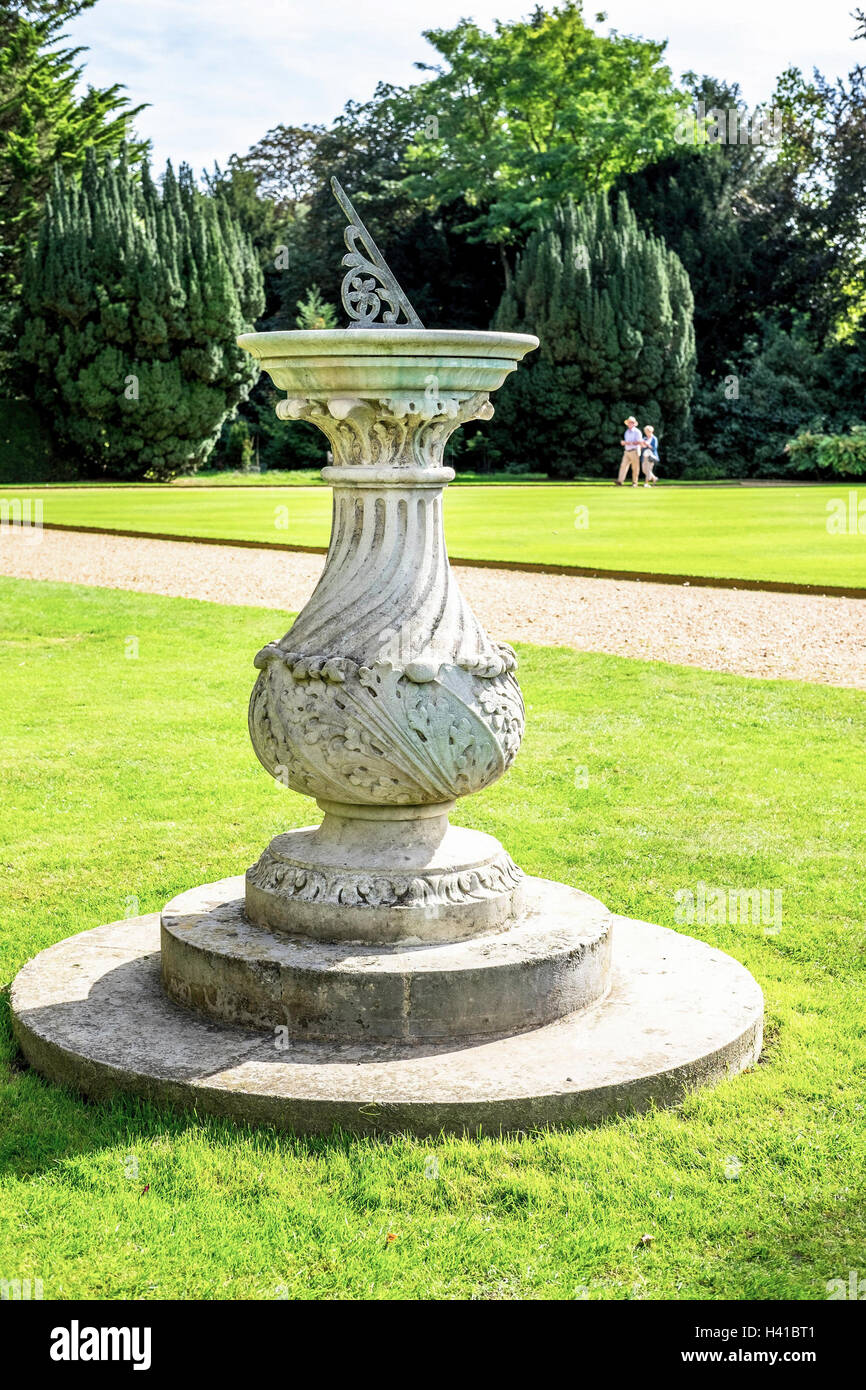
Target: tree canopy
x=458, y=173
x=44, y=122
x=515, y=120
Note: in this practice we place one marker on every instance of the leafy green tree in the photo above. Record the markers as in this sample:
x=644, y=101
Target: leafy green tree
x=534, y=111
x=702, y=202
x=779, y=385
x=281, y=191
x=769, y=234
x=612, y=307
x=516, y=120
x=45, y=121
x=281, y=165
x=773, y=242
x=269, y=190
x=131, y=304
x=365, y=149
x=822, y=168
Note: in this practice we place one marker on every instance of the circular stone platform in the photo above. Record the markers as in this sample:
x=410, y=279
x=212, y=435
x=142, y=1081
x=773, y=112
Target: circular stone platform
x=90, y=1012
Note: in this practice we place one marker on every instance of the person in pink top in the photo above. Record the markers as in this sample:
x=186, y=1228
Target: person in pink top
x=631, y=447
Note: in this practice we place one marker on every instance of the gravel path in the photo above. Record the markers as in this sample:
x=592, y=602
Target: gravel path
x=793, y=636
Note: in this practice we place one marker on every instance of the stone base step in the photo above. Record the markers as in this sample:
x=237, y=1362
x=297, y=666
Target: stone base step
x=404, y=873
x=90, y=1013
x=553, y=960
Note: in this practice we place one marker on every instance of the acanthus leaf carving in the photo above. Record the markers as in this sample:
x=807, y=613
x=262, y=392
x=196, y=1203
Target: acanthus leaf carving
x=378, y=736
x=400, y=430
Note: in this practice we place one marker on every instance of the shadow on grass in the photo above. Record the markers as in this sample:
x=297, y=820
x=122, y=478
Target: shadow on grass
x=44, y=1122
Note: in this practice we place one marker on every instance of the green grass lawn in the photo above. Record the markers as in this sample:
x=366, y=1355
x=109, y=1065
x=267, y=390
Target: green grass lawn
x=127, y=780
x=777, y=533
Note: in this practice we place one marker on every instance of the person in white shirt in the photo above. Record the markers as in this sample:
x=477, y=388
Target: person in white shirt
x=631, y=447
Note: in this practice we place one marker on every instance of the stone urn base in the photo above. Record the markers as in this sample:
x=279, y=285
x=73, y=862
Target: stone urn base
x=379, y=873
x=559, y=1015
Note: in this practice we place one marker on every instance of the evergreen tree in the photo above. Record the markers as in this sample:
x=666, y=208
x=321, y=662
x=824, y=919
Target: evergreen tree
x=266, y=222
x=45, y=120
x=315, y=312
x=131, y=304
x=612, y=307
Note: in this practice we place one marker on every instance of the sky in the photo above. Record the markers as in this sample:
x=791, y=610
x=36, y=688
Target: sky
x=218, y=74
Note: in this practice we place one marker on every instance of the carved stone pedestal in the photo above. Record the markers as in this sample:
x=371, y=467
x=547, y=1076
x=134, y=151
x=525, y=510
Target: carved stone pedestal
x=386, y=701
x=385, y=970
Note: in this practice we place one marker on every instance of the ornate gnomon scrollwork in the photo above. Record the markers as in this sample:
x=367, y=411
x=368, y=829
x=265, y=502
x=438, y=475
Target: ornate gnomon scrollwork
x=362, y=297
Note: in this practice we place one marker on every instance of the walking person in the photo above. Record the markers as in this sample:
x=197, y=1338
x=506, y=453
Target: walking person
x=631, y=450
x=649, y=455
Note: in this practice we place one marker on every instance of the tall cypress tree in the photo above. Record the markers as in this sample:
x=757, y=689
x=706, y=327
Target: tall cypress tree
x=613, y=309
x=45, y=119
x=131, y=303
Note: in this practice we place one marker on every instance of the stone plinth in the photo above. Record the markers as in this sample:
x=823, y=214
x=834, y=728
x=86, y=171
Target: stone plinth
x=386, y=970
x=91, y=1013
x=551, y=960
